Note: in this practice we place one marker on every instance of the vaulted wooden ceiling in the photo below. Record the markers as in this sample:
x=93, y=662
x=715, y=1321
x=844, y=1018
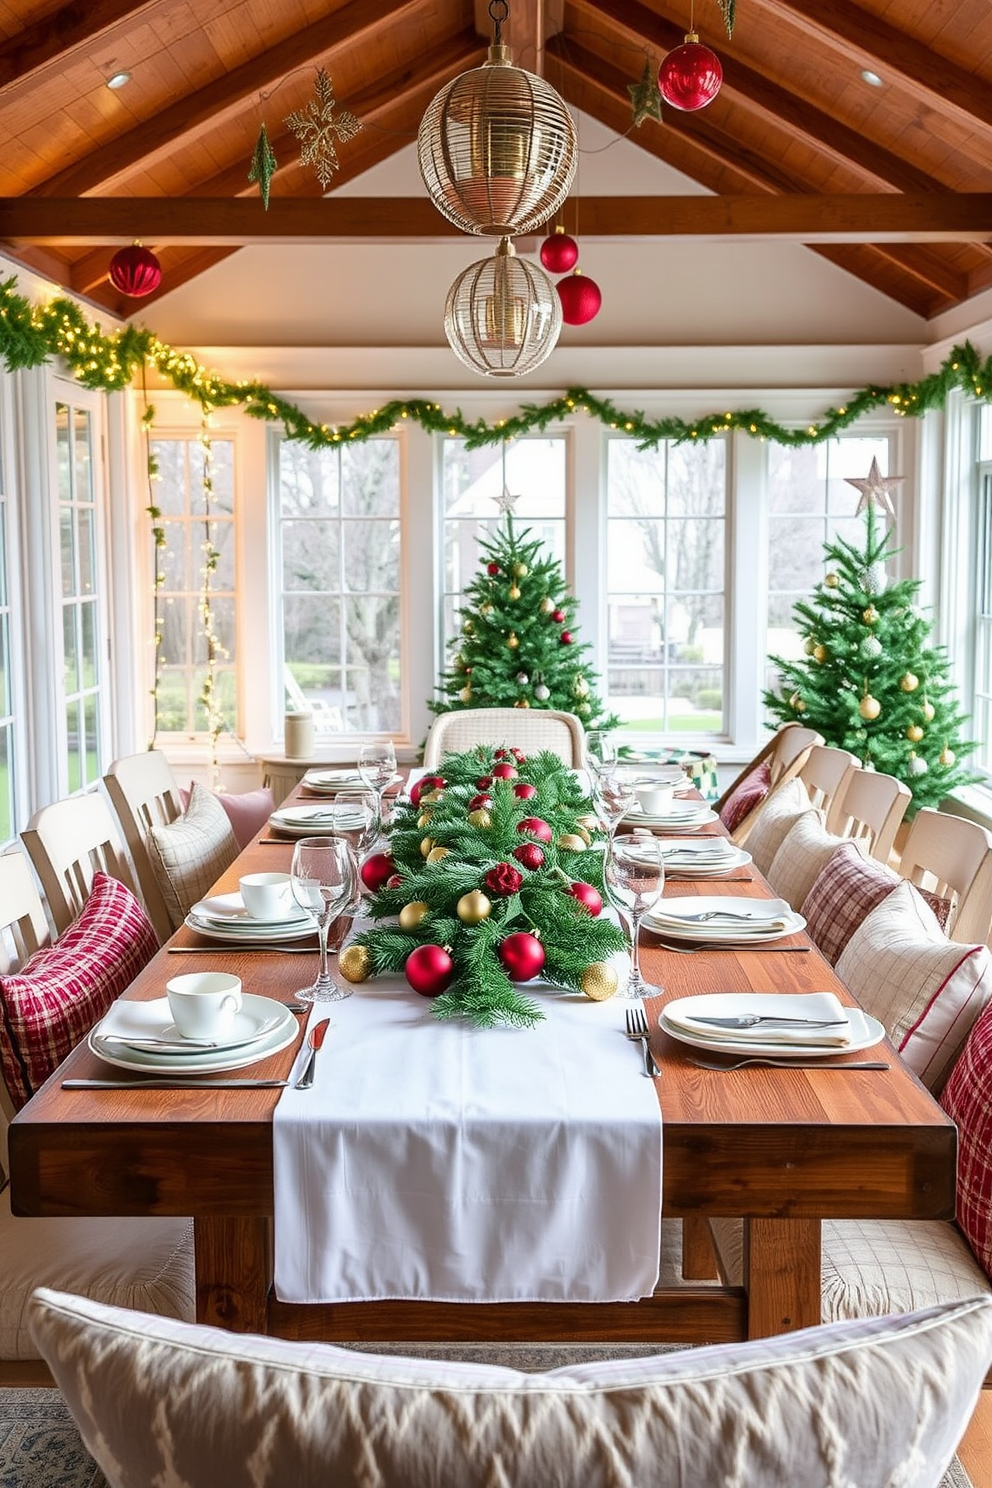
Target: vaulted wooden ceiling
x=893, y=181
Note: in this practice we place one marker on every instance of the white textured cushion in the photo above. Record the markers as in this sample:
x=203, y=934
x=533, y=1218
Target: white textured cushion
x=146, y=1263
x=868, y=1402
x=189, y=854
x=926, y=989
x=781, y=811
x=806, y=849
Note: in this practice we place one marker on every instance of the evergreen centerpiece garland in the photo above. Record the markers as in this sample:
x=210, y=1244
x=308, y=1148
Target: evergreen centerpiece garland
x=504, y=849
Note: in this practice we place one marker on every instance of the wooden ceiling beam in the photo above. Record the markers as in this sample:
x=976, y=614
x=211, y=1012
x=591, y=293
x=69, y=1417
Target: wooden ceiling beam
x=897, y=57
x=62, y=32
x=796, y=217
x=138, y=147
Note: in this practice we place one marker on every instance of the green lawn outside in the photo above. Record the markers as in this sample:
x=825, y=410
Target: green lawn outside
x=682, y=723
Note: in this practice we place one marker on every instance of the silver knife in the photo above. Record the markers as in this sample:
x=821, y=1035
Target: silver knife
x=174, y=1084
x=750, y=1020
x=227, y=948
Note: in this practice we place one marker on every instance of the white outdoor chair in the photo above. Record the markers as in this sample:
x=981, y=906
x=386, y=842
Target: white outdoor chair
x=825, y=773
x=952, y=856
x=529, y=729
x=68, y=842
x=144, y=794
x=870, y=807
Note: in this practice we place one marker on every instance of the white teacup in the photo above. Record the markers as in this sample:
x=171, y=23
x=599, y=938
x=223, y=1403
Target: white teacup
x=204, y=1004
x=655, y=798
x=267, y=896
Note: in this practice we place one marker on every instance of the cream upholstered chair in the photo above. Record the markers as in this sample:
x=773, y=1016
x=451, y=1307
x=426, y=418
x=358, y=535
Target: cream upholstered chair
x=824, y=773
x=112, y=1260
x=530, y=729
x=68, y=842
x=144, y=794
x=870, y=807
x=952, y=857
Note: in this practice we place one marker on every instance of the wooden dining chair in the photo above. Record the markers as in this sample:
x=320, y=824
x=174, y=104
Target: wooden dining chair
x=144, y=794
x=785, y=753
x=67, y=843
x=825, y=772
x=531, y=730
x=952, y=857
x=869, y=806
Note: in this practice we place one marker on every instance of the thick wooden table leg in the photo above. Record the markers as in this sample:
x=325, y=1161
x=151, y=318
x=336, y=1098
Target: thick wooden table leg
x=698, y=1255
x=233, y=1272
x=781, y=1275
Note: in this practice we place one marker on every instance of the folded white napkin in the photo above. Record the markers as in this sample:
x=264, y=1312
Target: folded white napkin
x=742, y=916
x=684, y=1015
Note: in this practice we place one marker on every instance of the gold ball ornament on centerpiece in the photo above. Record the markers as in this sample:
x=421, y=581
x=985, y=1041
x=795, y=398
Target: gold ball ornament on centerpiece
x=908, y=682
x=588, y=823
x=512, y=640
x=480, y=818
x=437, y=853
x=355, y=963
x=571, y=842
x=473, y=907
x=914, y=733
x=426, y=846
x=599, y=981
x=424, y=820
x=412, y=914
x=430, y=798
x=947, y=756
x=869, y=707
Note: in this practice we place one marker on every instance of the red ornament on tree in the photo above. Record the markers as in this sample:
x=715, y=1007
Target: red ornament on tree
x=533, y=826
x=580, y=298
x=429, y=970
x=518, y=755
x=484, y=782
x=522, y=955
x=135, y=271
x=376, y=870
x=559, y=253
x=690, y=76
x=558, y=616
x=587, y=896
x=530, y=855
x=492, y=569
x=566, y=637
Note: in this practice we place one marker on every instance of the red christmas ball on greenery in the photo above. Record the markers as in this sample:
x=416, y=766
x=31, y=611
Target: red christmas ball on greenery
x=522, y=955
x=393, y=881
x=135, y=271
x=524, y=790
x=518, y=755
x=480, y=803
x=533, y=826
x=530, y=855
x=425, y=785
x=566, y=637
x=501, y=754
x=504, y=878
x=580, y=297
x=559, y=252
x=588, y=897
x=492, y=569
x=429, y=970
x=558, y=616
x=484, y=782
x=690, y=76
x=505, y=772
x=376, y=870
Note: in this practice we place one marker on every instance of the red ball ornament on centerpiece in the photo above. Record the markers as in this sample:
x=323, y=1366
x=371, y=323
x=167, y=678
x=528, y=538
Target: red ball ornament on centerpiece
x=429, y=970
x=587, y=896
x=135, y=271
x=580, y=297
x=518, y=755
x=376, y=871
x=481, y=803
x=523, y=790
x=505, y=772
x=425, y=785
x=530, y=855
x=533, y=826
x=484, y=782
x=522, y=955
x=690, y=76
x=559, y=252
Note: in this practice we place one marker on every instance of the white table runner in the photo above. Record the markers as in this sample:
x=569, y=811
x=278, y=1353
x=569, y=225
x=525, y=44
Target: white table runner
x=435, y=1161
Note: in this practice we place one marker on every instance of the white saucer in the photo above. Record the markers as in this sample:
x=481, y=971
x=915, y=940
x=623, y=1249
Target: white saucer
x=229, y=910
x=695, y=814
x=152, y=1020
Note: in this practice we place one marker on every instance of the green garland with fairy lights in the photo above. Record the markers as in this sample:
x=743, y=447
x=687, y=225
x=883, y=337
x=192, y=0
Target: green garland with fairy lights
x=31, y=335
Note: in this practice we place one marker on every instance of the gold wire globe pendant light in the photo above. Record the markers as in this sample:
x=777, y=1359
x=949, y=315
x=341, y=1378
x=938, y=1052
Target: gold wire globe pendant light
x=497, y=152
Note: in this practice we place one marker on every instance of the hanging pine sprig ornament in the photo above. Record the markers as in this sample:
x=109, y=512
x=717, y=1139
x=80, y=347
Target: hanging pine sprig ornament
x=728, y=9
x=263, y=166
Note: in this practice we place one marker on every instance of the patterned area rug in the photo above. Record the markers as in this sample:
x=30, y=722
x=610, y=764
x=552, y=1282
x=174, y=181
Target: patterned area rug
x=41, y=1448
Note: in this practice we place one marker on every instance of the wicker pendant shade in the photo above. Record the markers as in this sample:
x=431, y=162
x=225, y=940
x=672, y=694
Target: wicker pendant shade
x=497, y=149
x=502, y=316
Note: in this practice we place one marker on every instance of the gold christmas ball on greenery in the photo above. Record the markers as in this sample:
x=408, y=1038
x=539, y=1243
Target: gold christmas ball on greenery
x=411, y=914
x=430, y=798
x=512, y=640
x=465, y=695
x=928, y=710
x=796, y=703
x=480, y=818
x=423, y=820
x=831, y=581
x=571, y=842
x=947, y=756
x=547, y=605
x=521, y=570
x=486, y=609
x=599, y=981
x=914, y=733
x=583, y=710
x=437, y=853
x=514, y=591
x=591, y=823
x=426, y=845
x=820, y=653
x=870, y=615
x=583, y=832
x=521, y=703
x=909, y=683
x=581, y=688
x=355, y=963
x=473, y=907
x=869, y=707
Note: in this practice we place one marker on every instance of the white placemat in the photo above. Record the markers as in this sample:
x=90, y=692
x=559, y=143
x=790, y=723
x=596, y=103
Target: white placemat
x=436, y=1161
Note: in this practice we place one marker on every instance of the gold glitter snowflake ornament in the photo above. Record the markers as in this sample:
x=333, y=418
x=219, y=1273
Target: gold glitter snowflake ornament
x=317, y=126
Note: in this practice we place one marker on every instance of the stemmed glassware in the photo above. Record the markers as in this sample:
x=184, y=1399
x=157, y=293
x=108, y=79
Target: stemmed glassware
x=634, y=873
x=613, y=795
x=377, y=767
x=355, y=819
x=324, y=878
x=600, y=754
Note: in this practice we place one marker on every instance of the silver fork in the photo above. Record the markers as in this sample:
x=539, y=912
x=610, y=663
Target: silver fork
x=733, y=950
x=717, y=914
x=819, y=1064
x=637, y=1028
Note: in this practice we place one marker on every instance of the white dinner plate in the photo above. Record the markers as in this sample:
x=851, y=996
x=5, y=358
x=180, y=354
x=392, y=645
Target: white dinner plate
x=672, y=919
x=864, y=1029
x=329, y=781
x=684, y=862
x=314, y=820
x=682, y=818
x=229, y=910
x=152, y=1019
x=234, y=934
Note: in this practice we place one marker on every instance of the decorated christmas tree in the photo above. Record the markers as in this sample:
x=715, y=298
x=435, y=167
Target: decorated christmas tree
x=519, y=646
x=872, y=683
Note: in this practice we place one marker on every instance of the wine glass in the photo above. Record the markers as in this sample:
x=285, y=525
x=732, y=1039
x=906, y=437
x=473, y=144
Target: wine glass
x=600, y=754
x=324, y=876
x=634, y=873
x=377, y=766
x=613, y=795
x=355, y=819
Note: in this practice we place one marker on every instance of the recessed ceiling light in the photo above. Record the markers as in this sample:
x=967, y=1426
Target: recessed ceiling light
x=872, y=78
x=119, y=80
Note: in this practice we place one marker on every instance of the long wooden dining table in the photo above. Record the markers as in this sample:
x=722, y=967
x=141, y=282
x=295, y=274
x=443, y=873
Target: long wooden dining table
x=781, y=1148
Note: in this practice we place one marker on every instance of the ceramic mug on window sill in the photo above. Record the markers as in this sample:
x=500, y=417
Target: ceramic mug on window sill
x=299, y=736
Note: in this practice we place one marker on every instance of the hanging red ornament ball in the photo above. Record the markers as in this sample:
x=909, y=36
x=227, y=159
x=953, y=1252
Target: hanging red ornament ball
x=690, y=76
x=135, y=271
x=559, y=253
x=376, y=870
x=530, y=855
x=505, y=772
x=425, y=785
x=580, y=298
x=566, y=637
x=522, y=955
x=492, y=569
x=558, y=616
x=587, y=896
x=429, y=970
x=523, y=790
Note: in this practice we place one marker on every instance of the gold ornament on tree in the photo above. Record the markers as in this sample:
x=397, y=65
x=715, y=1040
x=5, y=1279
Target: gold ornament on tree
x=437, y=853
x=831, y=581
x=473, y=907
x=317, y=125
x=870, y=615
x=909, y=683
x=514, y=591
x=820, y=653
x=512, y=640
x=947, y=756
x=869, y=708
x=914, y=733
x=928, y=710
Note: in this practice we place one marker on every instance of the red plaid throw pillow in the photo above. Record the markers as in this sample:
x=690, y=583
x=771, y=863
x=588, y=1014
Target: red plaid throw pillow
x=744, y=797
x=844, y=893
x=967, y=1099
x=58, y=995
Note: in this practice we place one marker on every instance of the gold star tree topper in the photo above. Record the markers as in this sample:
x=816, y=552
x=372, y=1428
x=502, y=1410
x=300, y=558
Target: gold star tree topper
x=317, y=125
x=876, y=489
